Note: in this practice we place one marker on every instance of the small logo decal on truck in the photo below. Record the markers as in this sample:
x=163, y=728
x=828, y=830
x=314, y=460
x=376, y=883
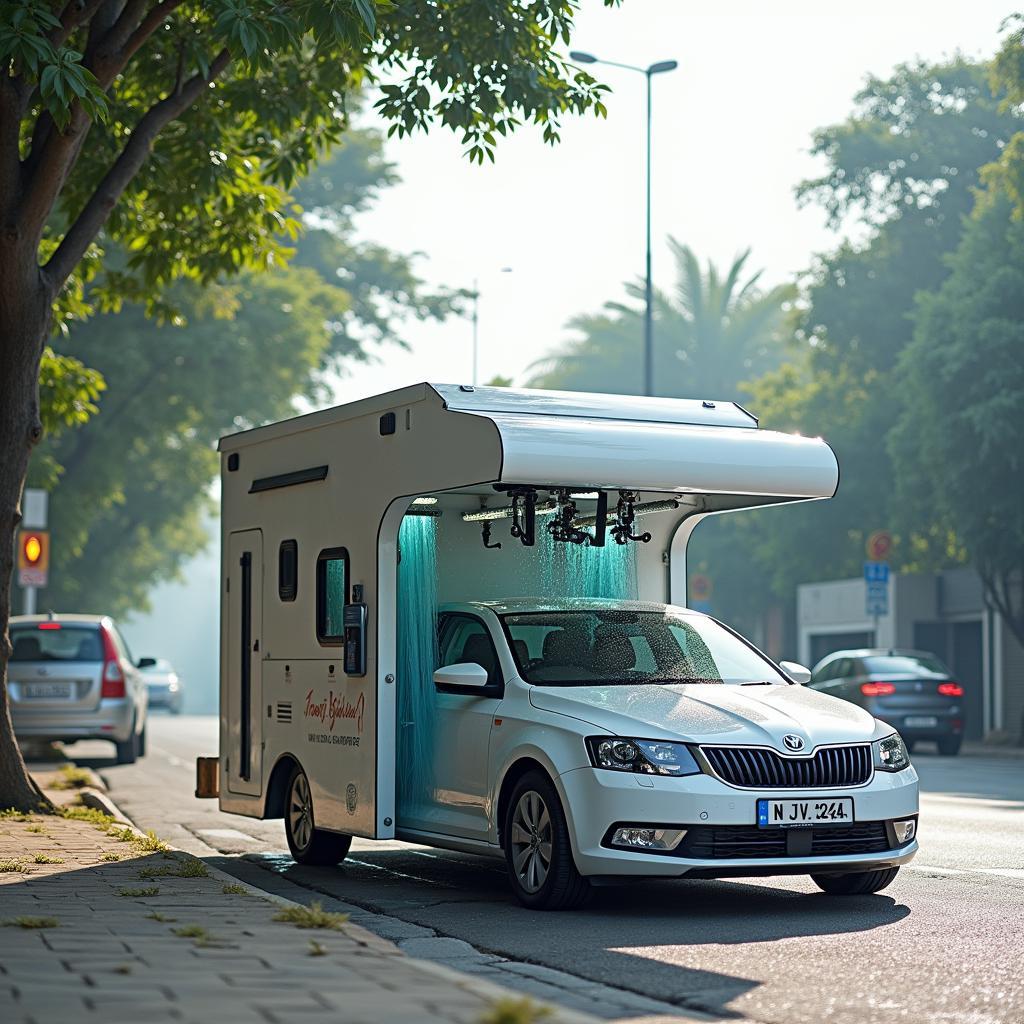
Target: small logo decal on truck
x=351, y=798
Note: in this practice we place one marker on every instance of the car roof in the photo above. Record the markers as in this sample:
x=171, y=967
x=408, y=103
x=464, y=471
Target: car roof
x=868, y=652
x=584, y=604
x=77, y=619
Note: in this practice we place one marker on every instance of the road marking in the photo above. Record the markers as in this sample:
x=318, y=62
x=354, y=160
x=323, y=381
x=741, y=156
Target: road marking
x=226, y=833
x=936, y=871
x=1001, y=872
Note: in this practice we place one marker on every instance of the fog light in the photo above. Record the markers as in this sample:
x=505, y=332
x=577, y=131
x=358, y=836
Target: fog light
x=905, y=830
x=648, y=838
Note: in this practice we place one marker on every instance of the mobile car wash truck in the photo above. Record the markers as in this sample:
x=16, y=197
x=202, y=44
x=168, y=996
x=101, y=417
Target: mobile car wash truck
x=456, y=616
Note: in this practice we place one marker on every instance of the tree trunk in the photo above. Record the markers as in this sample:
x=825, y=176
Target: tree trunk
x=25, y=313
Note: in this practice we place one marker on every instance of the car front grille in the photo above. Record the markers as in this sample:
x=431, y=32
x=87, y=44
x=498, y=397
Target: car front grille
x=742, y=842
x=761, y=768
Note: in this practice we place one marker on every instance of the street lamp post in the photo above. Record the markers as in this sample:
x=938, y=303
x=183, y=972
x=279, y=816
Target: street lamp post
x=475, y=319
x=648, y=73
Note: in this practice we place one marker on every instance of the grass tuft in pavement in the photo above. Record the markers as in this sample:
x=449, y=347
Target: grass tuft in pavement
x=157, y=916
x=110, y=856
x=313, y=916
x=192, y=931
x=516, y=1011
x=77, y=812
x=149, y=843
x=150, y=890
x=181, y=867
x=235, y=890
x=44, y=858
x=13, y=814
x=70, y=776
x=32, y=922
x=317, y=948
x=38, y=830
x=11, y=866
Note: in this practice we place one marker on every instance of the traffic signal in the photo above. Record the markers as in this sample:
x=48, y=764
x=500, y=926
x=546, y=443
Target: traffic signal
x=33, y=557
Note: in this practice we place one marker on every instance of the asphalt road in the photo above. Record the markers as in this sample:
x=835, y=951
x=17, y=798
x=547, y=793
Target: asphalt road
x=944, y=944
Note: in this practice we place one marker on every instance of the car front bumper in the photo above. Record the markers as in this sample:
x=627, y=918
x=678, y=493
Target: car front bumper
x=595, y=800
x=112, y=720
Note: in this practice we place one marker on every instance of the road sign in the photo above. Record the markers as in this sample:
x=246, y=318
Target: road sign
x=33, y=558
x=700, y=587
x=876, y=572
x=34, y=501
x=877, y=598
x=879, y=545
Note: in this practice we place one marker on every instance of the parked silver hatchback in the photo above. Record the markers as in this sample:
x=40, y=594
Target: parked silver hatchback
x=72, y=677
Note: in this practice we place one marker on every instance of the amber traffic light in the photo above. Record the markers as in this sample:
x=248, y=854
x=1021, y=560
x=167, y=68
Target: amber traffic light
x=34, y=550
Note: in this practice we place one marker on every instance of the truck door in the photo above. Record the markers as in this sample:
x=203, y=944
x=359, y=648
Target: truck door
x=244, y=661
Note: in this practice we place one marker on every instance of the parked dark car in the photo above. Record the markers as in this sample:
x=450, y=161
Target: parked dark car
x=912, y=691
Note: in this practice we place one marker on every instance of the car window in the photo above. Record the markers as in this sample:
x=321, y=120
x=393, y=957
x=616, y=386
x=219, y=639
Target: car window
x=52, y=641
x=824, y=672
x=465, y=640
x=905, y=664
x=601, y=647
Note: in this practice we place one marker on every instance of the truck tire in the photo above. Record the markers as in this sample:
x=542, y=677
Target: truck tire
x=307, y=843
x=857, y=883
x=538, y=853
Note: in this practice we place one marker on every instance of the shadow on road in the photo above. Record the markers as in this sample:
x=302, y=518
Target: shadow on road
x=653, y=922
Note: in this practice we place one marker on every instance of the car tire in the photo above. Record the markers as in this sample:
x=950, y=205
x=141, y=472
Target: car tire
x=128, y=750
x=140, y=742
x=949, y=746
x=858, y=883
x=307, y=843
x=534, y=820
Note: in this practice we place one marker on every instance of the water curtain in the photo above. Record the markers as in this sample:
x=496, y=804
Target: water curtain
x=417, y=658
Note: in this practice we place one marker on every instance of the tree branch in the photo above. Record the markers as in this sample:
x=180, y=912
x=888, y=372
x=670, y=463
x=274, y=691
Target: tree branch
x=100, y=204
x=123, y=42
x=10, y=166
x=75, y=12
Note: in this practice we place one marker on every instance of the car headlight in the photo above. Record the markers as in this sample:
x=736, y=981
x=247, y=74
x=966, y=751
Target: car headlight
x=649, y=757
x=890, y=754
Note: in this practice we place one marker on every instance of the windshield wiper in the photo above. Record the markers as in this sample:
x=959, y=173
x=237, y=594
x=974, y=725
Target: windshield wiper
x=760, y=682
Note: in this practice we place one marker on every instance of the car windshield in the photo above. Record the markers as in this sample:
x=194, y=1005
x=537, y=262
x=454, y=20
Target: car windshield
x=905, y=664
x=597, y=647
x=54, y=642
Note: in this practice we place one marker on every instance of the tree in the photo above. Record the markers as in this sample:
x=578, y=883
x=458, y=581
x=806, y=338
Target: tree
x=130, y=491
x=906, y=166
x=198, y=117
x=712, y=332
x=959, y=443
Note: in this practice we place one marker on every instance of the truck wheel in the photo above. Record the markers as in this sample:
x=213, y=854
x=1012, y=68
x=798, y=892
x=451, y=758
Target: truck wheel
x=858, y=883
x=309, y=844
x=537, y=849
x=128, y=750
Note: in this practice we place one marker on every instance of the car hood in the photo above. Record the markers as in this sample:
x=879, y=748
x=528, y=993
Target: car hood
x=711, y=713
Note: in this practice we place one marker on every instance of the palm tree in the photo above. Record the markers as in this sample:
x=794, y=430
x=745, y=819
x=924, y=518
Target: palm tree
x=710, y=335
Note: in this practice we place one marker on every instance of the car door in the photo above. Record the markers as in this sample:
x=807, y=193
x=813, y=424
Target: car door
x=462, y=725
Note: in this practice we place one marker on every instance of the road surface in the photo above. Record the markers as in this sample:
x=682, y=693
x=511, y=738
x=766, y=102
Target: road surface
x=944, y=944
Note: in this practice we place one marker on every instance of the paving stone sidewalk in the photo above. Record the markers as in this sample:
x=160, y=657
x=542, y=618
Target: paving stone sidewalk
x=98, y=924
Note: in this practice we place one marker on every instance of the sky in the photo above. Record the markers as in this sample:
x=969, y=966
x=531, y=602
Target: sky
x=731, y=138
x=732, y=132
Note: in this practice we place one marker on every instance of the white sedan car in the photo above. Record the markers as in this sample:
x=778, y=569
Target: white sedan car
x=626, y=739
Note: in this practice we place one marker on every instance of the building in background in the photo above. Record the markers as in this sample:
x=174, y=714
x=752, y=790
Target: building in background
x=942, y=612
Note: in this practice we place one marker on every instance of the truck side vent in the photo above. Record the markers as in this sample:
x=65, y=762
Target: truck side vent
x=284, y=711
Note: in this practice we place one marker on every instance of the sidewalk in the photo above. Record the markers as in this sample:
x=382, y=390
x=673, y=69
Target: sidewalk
x=102, y=923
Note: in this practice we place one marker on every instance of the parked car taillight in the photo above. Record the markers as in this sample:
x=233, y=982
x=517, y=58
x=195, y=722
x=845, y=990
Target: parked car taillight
x=951, y=689
x=113, y=674
x=877, y=689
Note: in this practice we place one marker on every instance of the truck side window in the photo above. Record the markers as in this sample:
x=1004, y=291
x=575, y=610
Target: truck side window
x=465, y=640
x=288, y=570
x=331, y=595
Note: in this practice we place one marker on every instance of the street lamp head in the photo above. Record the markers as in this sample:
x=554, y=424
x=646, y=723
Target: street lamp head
x=582, y=58
x=663, y=65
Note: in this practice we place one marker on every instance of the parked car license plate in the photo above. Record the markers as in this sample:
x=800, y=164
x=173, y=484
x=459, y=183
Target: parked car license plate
x=37, y=691
x=921, y=722
x=801, y=812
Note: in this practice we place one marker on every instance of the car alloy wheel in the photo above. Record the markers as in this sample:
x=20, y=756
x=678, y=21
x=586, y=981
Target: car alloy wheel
x=300, y=811
x=531, y=841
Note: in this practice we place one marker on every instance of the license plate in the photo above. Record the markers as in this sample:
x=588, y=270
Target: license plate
x=921, y=722
x=800, y=813
x=54, y=691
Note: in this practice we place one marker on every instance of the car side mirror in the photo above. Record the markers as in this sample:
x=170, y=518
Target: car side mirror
x=470, y=675
x=796, y=672
x=145, y=663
